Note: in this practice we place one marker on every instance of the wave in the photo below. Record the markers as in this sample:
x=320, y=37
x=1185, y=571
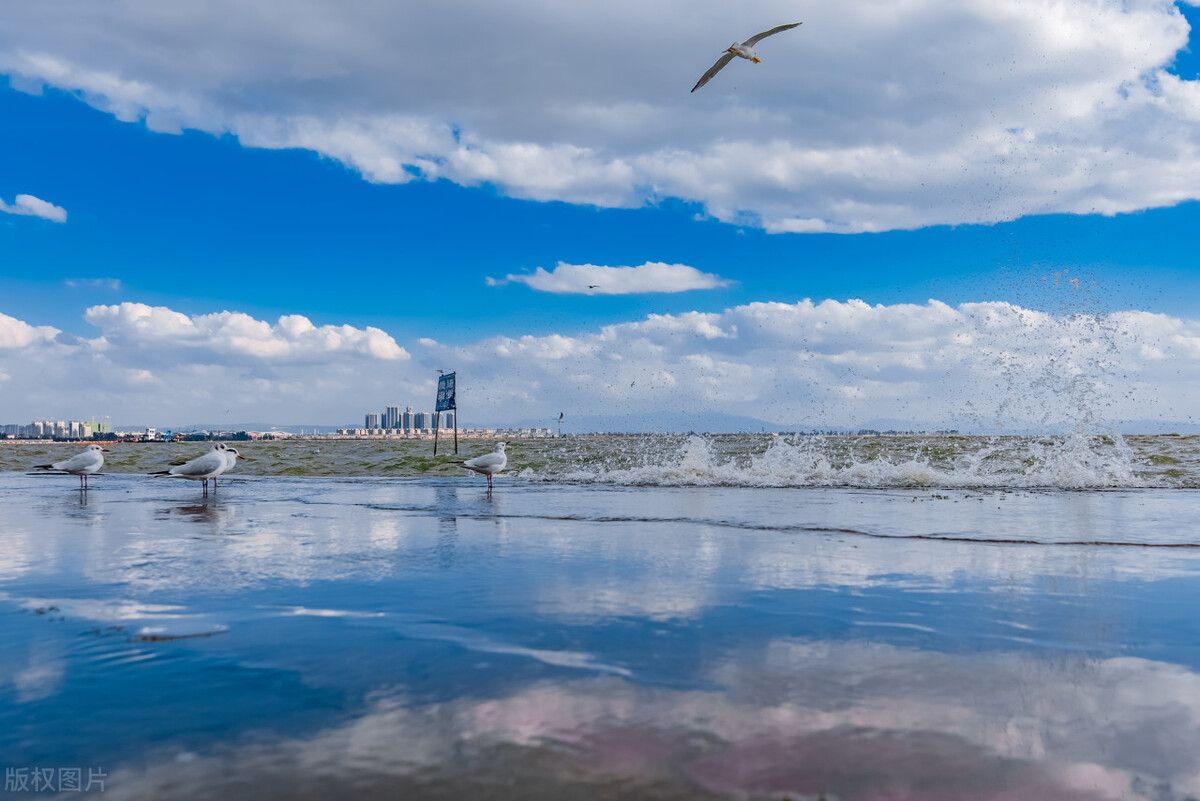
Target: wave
x=1075, y=462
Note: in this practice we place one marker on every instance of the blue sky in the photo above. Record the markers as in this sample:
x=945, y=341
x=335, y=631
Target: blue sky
x=292, y=173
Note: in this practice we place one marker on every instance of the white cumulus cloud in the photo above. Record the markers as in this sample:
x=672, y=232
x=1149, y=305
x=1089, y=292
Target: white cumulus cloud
x=596, y=279
x=155, y=364
x=977, y=365
x=31, y=206
x=225, y=335
x=987, y=365
x=871, y=116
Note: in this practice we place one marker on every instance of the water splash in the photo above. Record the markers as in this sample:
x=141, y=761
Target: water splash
x=1076, y=461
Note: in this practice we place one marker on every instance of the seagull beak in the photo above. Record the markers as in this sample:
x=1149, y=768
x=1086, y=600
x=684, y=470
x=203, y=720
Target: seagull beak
x=105, y=450
x=240, y=456
x=756, y=59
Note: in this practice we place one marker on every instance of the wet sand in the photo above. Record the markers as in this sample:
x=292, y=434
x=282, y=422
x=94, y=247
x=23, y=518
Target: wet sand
x=418, y=638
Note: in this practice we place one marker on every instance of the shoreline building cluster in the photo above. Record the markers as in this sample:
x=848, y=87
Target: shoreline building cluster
x=463, y=433
x=393, y=421
x=55, y=429
x=393, y=424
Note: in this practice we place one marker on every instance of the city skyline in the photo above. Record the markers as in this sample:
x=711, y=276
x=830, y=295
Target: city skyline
x=392, y=418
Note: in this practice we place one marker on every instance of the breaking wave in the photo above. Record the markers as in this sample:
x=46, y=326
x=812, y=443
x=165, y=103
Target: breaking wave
x=1078, y=461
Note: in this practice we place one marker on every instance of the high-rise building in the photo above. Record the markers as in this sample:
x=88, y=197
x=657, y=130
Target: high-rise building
x=408, y=418
x=449, y=420
x=391, y=417
x=421, y=420
x=371, y=420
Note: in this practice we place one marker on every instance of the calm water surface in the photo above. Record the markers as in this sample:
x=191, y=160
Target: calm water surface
x=658, y=617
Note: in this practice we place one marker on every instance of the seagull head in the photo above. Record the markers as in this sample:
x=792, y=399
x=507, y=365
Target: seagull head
x=98, y=449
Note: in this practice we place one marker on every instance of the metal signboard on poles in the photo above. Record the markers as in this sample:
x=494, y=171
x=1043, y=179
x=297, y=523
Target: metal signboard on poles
x=446, y=402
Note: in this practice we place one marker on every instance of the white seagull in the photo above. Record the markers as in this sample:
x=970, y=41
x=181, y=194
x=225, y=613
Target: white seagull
x=231, y=457
x=489, y=464
x=82, y=464
x=743, y=50
x=203, y=467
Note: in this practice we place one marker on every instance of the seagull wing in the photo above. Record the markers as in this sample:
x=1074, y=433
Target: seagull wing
x=80, y=461
x=488, y=463
x=758, y=37
x=200, y=466
x=713, y=70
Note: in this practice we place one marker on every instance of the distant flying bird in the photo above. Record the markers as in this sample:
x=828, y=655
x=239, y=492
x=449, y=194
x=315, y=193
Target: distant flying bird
x=592, y=286
x=560, y=416
x=203, y=467
x=82, y=464
x=743, y=50
x=489, y=464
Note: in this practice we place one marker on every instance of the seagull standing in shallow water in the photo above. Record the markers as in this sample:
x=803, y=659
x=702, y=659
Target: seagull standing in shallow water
x=489, y=464
x=81, y=464
x=203, y=467
x=743, y=50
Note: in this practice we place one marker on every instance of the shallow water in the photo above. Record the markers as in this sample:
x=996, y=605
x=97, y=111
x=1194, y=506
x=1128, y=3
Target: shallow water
x=316, y=637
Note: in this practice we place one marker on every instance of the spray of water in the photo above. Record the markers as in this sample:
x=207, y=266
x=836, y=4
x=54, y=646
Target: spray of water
x=1079, y=460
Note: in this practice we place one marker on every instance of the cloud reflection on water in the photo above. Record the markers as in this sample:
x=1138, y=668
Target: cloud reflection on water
x=853, y=720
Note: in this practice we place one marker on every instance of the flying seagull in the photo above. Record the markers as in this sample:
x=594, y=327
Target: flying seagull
x=743, y=50
x=81, y=464
x=489, y=463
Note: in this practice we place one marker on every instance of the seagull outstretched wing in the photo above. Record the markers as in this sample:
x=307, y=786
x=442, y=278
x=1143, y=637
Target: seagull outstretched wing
x=758, y=37
x=713, y=70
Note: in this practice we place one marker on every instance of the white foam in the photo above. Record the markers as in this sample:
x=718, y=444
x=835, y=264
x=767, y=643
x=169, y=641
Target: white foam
x=1080, y=460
